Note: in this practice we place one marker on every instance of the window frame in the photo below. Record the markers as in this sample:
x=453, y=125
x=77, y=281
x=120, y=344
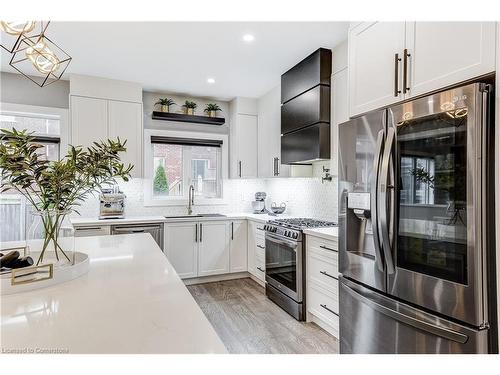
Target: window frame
x=149, y=200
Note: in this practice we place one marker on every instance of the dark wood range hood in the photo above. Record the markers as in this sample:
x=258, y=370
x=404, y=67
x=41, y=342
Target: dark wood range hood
x=305, y=109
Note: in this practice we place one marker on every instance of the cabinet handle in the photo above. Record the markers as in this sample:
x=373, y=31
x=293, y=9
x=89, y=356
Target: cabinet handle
x=277, y=166
x=327, y=274
x=328, y=309
x=405, y=71
x=261, y=247
x=88, y=228
x=260, y=269
x=239, y=168
x=260, y=228
x=196, y=233
x=232, y=231
x=328, y=248
x=201, y=232
x=397, y=59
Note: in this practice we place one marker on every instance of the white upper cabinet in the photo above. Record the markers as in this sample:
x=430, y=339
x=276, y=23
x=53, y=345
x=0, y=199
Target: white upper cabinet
x=243, y=138
x=181, y=248
x=213, y=238
x=446, y=53
x=103, y=108
x=89, y=120
x=123, y=118
x=238, y=246
x=269, y=135
x=390, y=62
x=374, y=71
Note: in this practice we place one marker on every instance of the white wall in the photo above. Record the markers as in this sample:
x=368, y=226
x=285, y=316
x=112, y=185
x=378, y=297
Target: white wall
x=15, y=88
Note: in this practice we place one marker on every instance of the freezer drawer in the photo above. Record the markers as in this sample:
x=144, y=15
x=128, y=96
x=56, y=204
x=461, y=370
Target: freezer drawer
x=373, y=323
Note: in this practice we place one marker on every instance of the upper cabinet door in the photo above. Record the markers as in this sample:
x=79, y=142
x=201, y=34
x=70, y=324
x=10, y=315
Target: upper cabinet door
x=374, y=73
x=89, y=120
x=125, y=122
x=446, y=53
x=247, y=146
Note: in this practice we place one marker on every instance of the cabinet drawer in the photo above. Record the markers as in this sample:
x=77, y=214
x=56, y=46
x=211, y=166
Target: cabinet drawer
x=309, y=108
x=97, y=230
x=323, y=304
x=260, y=267
x=322, y=270
x=329, y=247
x=260, y=242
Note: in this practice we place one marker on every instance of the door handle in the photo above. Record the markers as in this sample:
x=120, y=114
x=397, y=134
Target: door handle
x=328, y=309
x=384, y=190
x=196, y=232
x=327, y=274
x=397, y=59
x=232, y=231
x=201, y=232
x=374, y=200
x=405, y=71
x=239, y=168
x=277, y=166
x=328, y=248
x=260, y=269
x=261, y=247
x=434, y=329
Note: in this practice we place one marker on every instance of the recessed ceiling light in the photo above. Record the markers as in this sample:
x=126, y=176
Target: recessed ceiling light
x=210, y=80
x=248, y=38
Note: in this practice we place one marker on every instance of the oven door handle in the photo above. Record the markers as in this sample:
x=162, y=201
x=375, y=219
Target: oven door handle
x=281, y=241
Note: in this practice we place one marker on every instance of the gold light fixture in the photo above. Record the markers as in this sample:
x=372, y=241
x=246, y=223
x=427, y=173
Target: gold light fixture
x=39, y=59
x=14, y=31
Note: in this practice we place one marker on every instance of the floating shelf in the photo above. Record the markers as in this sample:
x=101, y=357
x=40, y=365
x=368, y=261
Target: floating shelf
x=180, y=117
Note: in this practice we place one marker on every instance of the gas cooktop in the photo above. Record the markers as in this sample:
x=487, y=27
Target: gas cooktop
x=300, y=223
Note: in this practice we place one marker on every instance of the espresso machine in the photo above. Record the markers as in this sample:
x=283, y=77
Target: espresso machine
x=112, y=204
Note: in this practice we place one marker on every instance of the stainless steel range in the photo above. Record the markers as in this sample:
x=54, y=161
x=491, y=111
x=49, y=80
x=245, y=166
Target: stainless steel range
x=285, y=262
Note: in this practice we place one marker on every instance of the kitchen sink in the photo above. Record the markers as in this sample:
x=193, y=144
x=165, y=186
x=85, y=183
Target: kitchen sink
x=194, y=216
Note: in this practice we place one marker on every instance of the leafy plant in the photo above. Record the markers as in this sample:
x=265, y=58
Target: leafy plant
x=212, y=107
x=160, y=182
x=165, y=101
x=190, y=105
x=54, y=188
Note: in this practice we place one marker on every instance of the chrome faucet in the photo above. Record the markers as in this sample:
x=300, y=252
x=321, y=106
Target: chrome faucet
x=190, y=199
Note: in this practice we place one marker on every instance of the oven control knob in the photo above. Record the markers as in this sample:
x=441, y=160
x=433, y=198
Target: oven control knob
x=287, y=233
x=275, y=229
x=295, y=235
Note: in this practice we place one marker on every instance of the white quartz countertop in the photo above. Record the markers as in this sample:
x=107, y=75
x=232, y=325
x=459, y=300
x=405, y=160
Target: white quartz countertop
x=131, y=301
x=330, y=233
x=85, y=221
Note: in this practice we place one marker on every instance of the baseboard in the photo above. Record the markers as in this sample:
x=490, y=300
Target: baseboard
x=326, y=327
x=215, y=278
x=257, y=280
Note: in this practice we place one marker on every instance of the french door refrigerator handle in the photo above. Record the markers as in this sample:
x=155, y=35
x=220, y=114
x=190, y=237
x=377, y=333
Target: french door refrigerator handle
x=434, y=329
x=384, y=189
x=374, y=200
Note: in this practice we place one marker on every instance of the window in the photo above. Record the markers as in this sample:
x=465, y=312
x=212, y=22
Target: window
x=417, y=175
x=178, y=160
x=49, y=128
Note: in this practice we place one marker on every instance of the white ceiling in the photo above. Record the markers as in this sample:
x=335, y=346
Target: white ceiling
x=180, y=56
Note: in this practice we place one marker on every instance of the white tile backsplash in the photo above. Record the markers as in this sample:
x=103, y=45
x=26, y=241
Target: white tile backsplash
x=303, y=197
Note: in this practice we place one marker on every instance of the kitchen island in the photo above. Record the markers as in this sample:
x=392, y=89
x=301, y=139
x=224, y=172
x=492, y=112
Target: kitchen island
x=131, y=301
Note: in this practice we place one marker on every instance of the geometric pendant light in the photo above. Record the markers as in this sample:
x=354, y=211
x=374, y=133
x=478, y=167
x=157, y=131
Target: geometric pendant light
x=13, y=33
x=37, y=57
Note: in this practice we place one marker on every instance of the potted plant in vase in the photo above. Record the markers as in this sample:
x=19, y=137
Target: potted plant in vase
x=165, y=104
x=189, y=107
x=55, y=188
x=211, y=109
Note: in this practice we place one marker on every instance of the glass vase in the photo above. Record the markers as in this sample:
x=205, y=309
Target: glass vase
x=50, y=239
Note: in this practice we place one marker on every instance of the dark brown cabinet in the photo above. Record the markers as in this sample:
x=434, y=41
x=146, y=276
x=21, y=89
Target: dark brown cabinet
x=309, y=108
x=306, y=145
x=315, y=69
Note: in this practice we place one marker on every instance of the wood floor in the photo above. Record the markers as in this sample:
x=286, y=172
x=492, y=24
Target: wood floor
x=247, y=322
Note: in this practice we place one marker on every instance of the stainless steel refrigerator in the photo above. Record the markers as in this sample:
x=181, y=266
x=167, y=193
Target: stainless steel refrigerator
x=416, y=226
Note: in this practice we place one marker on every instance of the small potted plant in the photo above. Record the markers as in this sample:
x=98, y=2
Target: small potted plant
x=165, y=104
x=189, y=107
x=212, y=109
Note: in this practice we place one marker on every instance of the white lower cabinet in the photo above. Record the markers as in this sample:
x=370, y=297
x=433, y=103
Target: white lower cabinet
x=181, y=248
x=238, y=256
x=322, y=285
x=213, y=248
x=256, y=251
x=207, y=248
